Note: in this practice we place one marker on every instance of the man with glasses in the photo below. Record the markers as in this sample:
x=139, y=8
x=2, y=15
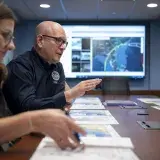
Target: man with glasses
x=36, y=78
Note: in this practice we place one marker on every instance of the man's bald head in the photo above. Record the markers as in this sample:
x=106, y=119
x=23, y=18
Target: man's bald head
x=50, y=41
x=48, y=27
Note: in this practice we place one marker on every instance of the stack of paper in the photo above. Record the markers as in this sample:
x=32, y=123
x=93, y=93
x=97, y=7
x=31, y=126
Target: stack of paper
x=87, y=103
x=95, y=119
x=155, y=101
x=88, y=100
x=96, y=149
x=87, y=106
x=94, y=130
x=156, y=107
x=149, y=100
x=91, y=111
x=119, y=103
x=102, y=141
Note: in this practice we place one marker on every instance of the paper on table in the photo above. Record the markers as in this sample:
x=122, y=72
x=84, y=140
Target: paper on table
x=87, y=106
x=89, y=113
x=156, y=103
x=122, y=142
x=95, y=119
x=156, y=107
x=49, y=150
x=119, y=102
x=149, y=100
x=88, y=100
x=94, y=130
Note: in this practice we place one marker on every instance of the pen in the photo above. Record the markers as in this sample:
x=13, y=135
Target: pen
x=142, y=114
x=146, y=124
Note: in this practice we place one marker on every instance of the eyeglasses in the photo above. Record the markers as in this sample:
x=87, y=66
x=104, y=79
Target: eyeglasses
x=59, y=41
x=8, y=38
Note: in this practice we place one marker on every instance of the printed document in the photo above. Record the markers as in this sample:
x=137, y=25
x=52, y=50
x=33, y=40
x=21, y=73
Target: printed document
x=106, y=149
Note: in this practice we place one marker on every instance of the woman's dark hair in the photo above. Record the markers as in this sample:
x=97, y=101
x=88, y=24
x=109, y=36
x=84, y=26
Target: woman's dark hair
x=3, y=72
x=6, y=12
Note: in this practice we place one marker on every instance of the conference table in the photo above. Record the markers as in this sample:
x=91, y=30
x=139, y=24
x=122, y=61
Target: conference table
x=146, y=142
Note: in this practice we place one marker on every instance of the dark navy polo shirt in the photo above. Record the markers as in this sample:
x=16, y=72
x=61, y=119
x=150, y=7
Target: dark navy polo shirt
x=34, y=84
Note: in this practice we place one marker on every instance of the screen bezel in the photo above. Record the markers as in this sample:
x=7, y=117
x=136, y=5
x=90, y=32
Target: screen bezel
x=102, y=23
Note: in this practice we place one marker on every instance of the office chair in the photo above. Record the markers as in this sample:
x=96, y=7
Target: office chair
x=115, y=86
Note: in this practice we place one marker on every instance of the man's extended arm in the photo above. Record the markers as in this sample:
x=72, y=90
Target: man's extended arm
x=20, y=87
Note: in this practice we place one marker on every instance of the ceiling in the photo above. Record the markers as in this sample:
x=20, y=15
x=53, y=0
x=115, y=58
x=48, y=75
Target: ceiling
x=95, y=10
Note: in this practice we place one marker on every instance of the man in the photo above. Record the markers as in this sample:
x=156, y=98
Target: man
x=36, y=78
x=49, y=122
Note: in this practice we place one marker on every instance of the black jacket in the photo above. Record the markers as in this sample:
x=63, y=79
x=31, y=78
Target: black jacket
x=34, y=84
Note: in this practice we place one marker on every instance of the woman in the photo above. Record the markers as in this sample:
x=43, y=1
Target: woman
x=49, y=122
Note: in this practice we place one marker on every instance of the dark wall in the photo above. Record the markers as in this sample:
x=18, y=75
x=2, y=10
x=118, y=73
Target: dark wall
x=25, y=32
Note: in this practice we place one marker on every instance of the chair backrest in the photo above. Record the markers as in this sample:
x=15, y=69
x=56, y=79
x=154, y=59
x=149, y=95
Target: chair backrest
x=115, y=86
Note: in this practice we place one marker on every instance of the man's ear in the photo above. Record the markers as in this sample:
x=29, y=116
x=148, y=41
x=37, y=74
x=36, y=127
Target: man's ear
x=39, y=40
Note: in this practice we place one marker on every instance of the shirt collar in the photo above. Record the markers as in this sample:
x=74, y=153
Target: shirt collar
x=42, y=62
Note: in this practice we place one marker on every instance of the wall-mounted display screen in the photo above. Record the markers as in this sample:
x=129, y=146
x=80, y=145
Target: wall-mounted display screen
x=104, y=50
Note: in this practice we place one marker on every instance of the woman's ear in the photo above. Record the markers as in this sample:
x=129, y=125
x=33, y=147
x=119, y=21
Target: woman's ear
x=1, y=85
